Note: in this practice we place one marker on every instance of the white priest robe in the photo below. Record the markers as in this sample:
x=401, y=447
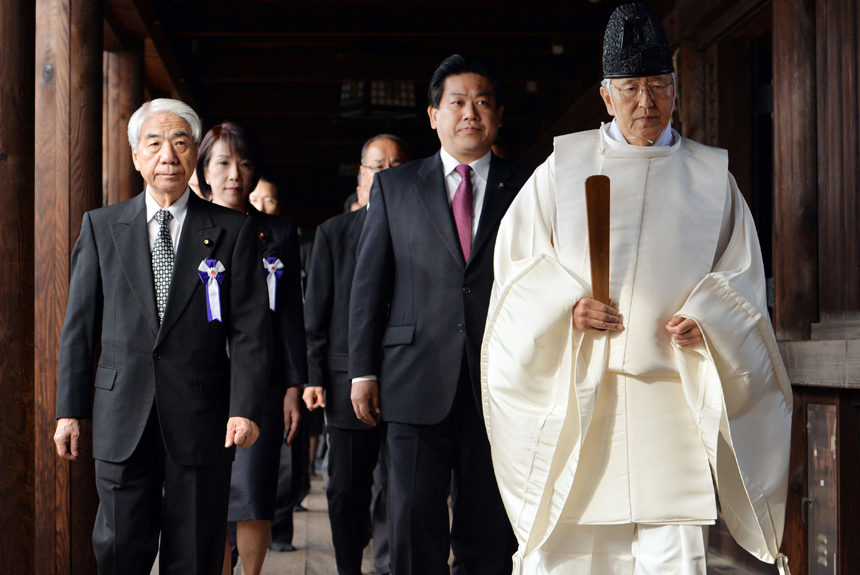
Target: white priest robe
x=601, y=428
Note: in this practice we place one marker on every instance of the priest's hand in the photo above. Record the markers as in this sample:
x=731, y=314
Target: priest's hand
x=66, y=437
x=591, y=314
x=314, y=397
x=242, y=432
x=292, y=413
x=365, y=394
x=685, y=331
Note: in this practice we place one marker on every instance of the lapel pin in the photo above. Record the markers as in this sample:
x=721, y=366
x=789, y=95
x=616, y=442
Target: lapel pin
x=206, y=242
x=501, y=185
x=262, y=235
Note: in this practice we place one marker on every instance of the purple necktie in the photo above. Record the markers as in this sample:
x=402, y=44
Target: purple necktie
x=462, y=206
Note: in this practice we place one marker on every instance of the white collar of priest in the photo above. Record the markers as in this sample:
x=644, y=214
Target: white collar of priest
x=178, y=208
x=667, y=138
x=481, y=166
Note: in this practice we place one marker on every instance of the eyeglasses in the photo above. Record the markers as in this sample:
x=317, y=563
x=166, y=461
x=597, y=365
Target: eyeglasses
x=380, y=167
x=656, y=91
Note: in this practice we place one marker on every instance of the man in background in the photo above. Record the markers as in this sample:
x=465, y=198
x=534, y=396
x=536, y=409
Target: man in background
x=355, y=448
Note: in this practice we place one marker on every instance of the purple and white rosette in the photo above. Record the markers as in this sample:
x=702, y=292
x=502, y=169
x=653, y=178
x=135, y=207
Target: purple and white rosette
x=275, y=269
x=212, y=274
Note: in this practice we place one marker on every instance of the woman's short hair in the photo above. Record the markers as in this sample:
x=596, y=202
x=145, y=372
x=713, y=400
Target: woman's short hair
x=238, y=140
x=162, y=106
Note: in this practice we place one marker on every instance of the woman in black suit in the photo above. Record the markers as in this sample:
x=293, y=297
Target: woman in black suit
x=228, y=165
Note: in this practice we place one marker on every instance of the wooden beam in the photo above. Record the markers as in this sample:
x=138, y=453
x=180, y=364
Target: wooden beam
x=378, y=18
x=233, y=65
x=67, y=171
x=17, y=397
x=827, y=363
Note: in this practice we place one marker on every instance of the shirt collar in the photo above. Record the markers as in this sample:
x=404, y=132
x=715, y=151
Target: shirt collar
x=178, y=208
x=481, y=166
x=665, y=139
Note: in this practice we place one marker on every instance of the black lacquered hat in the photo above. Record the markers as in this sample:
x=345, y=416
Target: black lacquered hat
x=635, y=44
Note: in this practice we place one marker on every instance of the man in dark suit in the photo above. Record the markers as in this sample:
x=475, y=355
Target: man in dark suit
x=170, y=281
x=353, y=445
x=420, y=296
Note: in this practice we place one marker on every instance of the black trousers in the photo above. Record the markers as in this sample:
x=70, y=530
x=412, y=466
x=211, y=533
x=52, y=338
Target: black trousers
x=293, y=483
x=427, y=461
x=149, y=494
x=353, y=455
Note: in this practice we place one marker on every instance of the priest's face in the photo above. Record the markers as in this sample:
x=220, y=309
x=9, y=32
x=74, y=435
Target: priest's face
x=468, y=117
x=641, y=106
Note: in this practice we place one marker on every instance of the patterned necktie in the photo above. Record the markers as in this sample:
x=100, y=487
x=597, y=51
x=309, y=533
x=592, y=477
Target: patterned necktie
x=462, y=207
x=162, y=260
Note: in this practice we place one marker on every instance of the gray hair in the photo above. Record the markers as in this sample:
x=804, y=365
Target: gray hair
x=163, y=106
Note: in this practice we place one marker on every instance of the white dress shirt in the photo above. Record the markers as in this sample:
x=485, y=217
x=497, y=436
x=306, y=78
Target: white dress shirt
x=480, y=174
x=178, y=209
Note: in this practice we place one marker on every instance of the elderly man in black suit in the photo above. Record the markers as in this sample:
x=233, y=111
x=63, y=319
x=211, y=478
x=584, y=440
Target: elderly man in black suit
x=353, y=445
x=171, y=282
x=420, y=296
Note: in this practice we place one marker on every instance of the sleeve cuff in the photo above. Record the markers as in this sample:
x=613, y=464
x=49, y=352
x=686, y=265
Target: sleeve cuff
x=364, y=378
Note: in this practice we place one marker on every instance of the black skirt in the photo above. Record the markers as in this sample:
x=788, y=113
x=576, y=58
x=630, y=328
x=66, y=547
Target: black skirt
x=254, y=483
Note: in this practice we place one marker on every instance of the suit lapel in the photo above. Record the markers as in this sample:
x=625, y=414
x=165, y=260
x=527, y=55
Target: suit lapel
x=497, y=198
x=193, y=249
x=433, y=194
x=354, y=234
x=131, y=239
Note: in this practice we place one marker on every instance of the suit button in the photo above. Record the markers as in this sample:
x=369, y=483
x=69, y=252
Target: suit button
x=156, y=355
x=467, y=290
x=461, y=328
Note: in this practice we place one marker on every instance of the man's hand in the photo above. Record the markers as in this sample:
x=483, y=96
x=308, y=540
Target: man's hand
x=66, y=437
x=314, y=397
x=365, y=394
x=292, y=413
x=243, y=432
x=685, y=331
x=591, y=314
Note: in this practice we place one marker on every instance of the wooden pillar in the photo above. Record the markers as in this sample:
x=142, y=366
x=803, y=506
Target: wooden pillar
x=67, y=174
x=130, y=99
x=17, y=33
x=795, y=220
x=839, y=157
x=123, y=95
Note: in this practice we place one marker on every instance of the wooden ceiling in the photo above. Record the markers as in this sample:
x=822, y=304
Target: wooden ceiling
x=278, y=68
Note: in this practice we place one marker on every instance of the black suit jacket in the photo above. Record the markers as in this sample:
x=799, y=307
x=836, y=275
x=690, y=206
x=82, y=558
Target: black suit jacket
x=417, y=303
x=181, y=364
x=278, y=238
x=327, y=314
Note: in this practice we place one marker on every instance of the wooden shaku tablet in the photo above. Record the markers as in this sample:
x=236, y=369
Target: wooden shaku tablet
x=597, y=204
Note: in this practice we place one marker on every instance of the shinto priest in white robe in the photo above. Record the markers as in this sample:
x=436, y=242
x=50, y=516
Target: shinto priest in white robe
x=610, y=428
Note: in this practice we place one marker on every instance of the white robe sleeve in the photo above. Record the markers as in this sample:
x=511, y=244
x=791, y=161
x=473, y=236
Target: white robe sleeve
x=739, y=392
x=531, y=361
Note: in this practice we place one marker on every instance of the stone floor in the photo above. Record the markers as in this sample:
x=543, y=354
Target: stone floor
x=315, y=555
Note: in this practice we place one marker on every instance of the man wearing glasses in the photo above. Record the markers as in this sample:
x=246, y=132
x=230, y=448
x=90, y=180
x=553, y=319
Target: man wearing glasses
x=607, y=421
x=355, y=448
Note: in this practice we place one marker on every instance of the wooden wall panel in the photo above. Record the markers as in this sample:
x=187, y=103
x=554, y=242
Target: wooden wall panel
x=795, y=231
x=838, y=150
x=17, y=33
